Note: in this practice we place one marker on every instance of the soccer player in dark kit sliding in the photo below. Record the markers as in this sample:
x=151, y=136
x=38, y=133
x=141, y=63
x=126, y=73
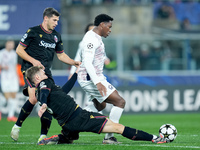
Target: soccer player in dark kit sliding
x=72, y=118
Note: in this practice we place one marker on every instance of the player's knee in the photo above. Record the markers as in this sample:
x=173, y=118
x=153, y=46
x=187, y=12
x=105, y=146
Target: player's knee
x=101, y=106
x=118, y=128
x=121, y=103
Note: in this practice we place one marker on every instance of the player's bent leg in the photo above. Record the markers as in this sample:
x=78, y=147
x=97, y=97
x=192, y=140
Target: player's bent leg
x=116, y=100
x=139, y=135
x=99, y=106
x=45, y=125
x=24, y=113
x=114, y=115
x=133, y=134
x=111, y=128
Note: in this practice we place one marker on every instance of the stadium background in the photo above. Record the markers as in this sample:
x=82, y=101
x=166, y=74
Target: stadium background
x=163, y=75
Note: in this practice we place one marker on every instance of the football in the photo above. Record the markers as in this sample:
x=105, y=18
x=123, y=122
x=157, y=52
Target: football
x=168, y=131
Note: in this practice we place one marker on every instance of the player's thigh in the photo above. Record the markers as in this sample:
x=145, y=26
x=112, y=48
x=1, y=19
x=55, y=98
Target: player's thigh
x=115, y=99
x=92, y=90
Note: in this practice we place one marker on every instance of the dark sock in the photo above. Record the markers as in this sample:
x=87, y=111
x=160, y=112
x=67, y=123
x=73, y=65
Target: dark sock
x=63, y=140
x=135, y=134
x=24, y=113
x=45, y=122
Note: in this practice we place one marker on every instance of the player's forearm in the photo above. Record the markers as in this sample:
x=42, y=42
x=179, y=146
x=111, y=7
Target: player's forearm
x=44, y=93
x=42, y=110
x=22, y=53
x=66, y=59
x=70, y=83
x=91, y=71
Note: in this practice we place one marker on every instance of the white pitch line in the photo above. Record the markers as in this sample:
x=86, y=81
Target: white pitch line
x=150, y=145
x=127, y=145
x=27, y=135
x=18, y=143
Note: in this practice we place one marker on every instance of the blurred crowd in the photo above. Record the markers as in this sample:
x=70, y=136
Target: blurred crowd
x=186, y=12
x=163, y=55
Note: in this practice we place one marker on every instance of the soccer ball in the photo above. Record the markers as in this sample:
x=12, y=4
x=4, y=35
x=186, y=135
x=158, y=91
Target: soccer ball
x=168, y=131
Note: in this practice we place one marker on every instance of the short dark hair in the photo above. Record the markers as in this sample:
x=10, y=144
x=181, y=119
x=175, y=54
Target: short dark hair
x=49, y=12
x=87, y=27
x=102, y=18
x=30, y=73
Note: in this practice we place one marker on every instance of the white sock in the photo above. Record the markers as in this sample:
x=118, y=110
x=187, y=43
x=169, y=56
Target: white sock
x=91, y=108
x=11, y=107
x=114, y=116
x=155, y=137
x=42, y=135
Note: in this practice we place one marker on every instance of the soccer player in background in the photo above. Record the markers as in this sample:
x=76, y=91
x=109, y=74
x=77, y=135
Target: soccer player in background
x=37, y=48
x=91, y=77
x=72, y=118
x=9, y=77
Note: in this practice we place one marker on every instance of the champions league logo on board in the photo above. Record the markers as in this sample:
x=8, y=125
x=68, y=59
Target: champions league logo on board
x=55, y=39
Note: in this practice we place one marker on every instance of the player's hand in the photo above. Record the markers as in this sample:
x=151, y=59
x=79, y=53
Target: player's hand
x=43, y=108
x=70, y=76
x=37, y=63
x=106, y=61
x=77, y=63
x=77, y=69
x=102, y=89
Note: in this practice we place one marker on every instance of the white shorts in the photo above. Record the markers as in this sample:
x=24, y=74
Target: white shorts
x=92, y=91
x=10, y=86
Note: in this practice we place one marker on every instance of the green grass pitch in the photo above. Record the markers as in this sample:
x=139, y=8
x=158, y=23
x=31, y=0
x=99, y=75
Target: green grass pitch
x=188, y=126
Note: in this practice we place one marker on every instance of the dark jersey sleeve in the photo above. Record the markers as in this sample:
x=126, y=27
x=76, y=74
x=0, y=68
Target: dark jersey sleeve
x=44, y=89
x=27, y=38
x=59, y=45
x=69, y=84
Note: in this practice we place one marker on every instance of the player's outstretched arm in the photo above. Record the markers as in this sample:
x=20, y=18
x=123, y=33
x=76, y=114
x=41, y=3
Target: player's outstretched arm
x=66, y=59
x=70, y=83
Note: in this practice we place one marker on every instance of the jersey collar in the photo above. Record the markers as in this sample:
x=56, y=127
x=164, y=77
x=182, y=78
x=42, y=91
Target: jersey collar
x=48, y=32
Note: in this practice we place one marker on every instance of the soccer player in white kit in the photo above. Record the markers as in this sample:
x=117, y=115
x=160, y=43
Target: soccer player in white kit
x=90, y=75
x=89, y=106
x=9, y=77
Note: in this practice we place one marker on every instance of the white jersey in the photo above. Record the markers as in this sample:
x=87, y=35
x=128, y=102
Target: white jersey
x=92, y=56
x=78, y=56
x=9, y=77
